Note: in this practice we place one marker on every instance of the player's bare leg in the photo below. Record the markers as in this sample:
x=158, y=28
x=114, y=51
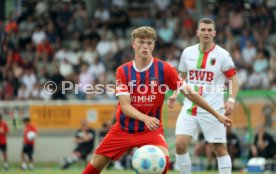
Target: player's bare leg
x=5, y=158
x=97, y=164
x=31, y=161
x=23, y=159
x=224, y=160
x=68, y=161
x=182, y=156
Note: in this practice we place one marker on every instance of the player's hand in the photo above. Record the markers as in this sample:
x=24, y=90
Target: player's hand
x=171, y=101
x=229, y=107
x=225, y=120
x=152, y=123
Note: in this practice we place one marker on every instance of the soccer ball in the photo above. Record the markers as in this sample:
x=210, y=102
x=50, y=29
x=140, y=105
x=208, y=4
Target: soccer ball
x=31, y=135
x=148, y=159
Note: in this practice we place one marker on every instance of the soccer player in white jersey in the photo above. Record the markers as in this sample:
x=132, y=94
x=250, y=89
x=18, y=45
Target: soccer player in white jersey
x=205, y=67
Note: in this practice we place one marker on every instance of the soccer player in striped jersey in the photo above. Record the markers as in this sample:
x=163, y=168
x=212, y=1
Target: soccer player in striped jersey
x=205, y=66
x=140, y=86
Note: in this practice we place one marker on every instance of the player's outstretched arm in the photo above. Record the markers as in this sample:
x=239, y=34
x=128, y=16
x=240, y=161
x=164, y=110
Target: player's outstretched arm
x=151, y=122
x=173, y=97
x=194, y=97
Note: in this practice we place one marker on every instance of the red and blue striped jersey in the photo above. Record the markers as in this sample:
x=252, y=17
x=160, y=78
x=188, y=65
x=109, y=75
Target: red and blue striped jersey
x=146, y=88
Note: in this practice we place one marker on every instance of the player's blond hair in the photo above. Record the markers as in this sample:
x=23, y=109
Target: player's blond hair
x=144, y=32
x=206, y=21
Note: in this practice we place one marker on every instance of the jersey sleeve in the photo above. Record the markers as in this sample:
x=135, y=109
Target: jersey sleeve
x=182, y=64
x=228, y=67
x=171, y=77
x=121, y=83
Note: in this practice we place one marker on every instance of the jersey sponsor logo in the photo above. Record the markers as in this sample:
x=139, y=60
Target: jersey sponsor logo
x=213, y=61
x=143, y=99
x=201, y=75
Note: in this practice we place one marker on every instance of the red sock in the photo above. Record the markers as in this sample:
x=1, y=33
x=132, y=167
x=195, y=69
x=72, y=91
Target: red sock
x=90, y=170
x=167, y=165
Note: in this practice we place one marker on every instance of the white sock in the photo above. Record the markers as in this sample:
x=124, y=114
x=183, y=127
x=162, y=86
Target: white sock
x=6, y=164
x=72, y=159
x=31, y=166
x=184, y=163
x=24, y=166
x=224, y=165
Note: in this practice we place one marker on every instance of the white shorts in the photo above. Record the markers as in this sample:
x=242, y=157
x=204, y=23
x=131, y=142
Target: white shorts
x=212, y=129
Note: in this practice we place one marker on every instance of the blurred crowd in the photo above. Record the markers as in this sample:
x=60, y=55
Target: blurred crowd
x=64, y=41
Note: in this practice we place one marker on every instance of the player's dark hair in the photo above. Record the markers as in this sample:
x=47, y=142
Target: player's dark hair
x=206, y=21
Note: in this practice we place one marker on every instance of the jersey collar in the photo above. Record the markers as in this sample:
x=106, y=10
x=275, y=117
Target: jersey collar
x=144, y=69
x=207, y=50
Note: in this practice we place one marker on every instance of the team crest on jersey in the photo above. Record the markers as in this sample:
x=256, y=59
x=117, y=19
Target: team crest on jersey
x=213, y=61
x=119, y=83
x=153, y=81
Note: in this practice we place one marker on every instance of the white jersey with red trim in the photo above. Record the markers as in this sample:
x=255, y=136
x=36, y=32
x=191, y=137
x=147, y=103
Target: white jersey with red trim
x=206, y=74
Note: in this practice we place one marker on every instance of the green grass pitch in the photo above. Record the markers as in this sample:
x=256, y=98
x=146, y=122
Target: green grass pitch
x=78, y=171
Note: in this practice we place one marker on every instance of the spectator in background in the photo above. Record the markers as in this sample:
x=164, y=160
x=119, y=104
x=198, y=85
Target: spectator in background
x=38, y=35
x=165, y=33
x=66, y=69
x=102, y=15
x=263, y=145
x=257, y=81
x=162, y=5
x=85, y=79
x=84, y=139
x=245, y=37
x=248, y=53
x=103, y=131
x=29, y=136
x=97, y=68
x=26, y=28
x=57, y=78
x=4, y=130
x=260, y=64
x=23, y=93
x=233, y=146
x=29, y=79
x=44, y=51
x=236, y=21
